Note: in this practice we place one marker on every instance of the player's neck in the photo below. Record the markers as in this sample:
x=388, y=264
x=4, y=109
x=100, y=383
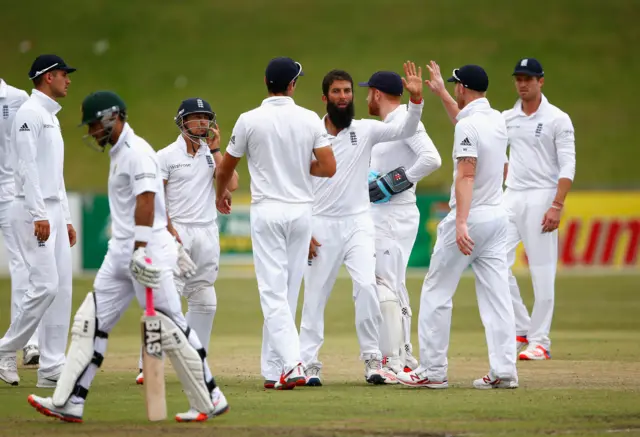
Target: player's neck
x=531, y=106
x=192, y=146
x=47, y=92
x=331, y=128
x=387, y=108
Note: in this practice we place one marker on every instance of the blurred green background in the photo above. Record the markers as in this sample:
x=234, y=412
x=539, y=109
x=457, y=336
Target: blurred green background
x=156, y=53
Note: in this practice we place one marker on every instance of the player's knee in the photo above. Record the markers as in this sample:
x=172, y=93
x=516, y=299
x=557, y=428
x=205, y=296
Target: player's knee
x=202, y=300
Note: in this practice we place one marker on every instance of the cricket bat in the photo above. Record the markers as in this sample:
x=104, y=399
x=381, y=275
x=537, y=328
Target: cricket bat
x=152, y=362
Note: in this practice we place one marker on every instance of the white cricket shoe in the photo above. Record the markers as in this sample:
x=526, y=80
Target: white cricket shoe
x=30, y=355
x=487, y=383
x=69, y=413
x=376, y=375
x=418, y=378
x=220, y=406
x=9, y=370
x=521, y=342
x=312, y=375
x=393, y=364
x=48, y=381
x=140, y=378
x=534, y=353
x=291, y=379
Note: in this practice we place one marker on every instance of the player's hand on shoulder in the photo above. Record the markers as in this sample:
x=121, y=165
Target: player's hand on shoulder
x=143, y=270
x=185, y=267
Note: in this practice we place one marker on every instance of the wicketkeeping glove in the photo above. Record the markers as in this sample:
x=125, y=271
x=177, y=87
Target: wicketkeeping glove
x=394, y=182
x=185, y=267
x=143, y=272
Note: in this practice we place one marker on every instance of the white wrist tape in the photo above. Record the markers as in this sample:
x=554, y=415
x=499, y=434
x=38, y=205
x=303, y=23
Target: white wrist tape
x=143, y=233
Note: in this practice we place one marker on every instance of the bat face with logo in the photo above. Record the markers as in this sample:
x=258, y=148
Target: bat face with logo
x=153, y=362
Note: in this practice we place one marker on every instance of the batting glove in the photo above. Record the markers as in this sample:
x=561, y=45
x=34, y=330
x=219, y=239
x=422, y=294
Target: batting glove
x=142, y=271
x=394, y=182
x=185, y=267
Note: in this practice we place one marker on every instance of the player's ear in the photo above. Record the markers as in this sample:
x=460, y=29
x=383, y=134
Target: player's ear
x=541, y=81
x=324, y=99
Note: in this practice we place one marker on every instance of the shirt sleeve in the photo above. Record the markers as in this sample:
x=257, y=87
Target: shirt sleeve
x=428, y=159
x=144, y=173
x=163, y=162
x=465, y=141
x=65, y=203
x=564, y=137
x=320, y=135
x=400, y=128
x=26, y=129
x=238, y=143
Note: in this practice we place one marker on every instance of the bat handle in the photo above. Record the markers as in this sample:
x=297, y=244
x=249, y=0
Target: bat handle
x=150, y=310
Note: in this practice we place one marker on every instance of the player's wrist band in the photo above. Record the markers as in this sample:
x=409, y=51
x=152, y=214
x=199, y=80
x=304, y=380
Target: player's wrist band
x=554, y=206
x=416, y=102
x=143, y=233
x=214, y=150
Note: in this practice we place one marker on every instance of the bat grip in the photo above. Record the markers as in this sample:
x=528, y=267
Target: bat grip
x=150, y=310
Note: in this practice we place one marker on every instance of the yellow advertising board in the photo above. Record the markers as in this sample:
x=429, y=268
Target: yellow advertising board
x=599, y=229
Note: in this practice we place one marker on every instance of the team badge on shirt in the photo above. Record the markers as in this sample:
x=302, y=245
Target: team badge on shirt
x=209, y=160
x=539, y=130
x=5, y=111
x=354, y=138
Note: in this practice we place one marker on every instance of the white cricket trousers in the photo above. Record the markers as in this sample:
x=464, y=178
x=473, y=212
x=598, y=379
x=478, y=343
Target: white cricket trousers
x=48, y=296
x=115, y=288
x=396, y=231
x=349, y=241
x=488, y=230
x=526, y=209
x=202, y=244
x=280, y=236
x=17, y=268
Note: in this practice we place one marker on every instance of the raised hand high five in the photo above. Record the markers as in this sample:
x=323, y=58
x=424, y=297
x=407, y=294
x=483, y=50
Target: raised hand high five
x=413, y=81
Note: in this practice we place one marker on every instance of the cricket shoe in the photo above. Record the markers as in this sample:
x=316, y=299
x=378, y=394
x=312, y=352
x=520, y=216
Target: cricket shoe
x=418, y=378
x=30, y=355
x=289, y=380
x=312, y=375
x=48, y=381
x=534, y=353
x=140, y=378
x=9, y=370
x=269, y=384
x=220, y=406
x=521, y=342
x=376, y=375
x=487, y=383
x=410, y=362
x=70, y=412
x=392, y=364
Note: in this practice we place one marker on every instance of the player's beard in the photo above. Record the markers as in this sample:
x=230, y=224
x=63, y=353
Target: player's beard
x=341, y=117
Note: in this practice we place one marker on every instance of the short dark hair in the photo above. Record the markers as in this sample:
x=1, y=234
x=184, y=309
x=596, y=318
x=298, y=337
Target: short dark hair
x=331, y=77
x=278, y=88
x=38, y=80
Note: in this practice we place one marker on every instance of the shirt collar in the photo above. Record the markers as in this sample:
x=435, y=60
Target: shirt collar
x=4, y=89
x=46, y=102
x=480, y=104
x=126, y=131
x=182, y=145
x=518, y=107
x=347, y=129
x=393, y=114
x=278, y=100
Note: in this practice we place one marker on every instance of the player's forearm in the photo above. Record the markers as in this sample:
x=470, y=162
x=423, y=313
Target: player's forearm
x=404, y=127
x=143, y=218
x=32, y=194
x=505, y=172
x=464, y=193
x=224, y=173
x=65, y=203
x=450, y=106
x=424, y=166
x=564, y=186
x=321, y=170
x=234, y=182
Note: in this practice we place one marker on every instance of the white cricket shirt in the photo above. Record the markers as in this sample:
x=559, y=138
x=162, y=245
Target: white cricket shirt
x=190, y=195
x=134, y=170
x=38, y=153
x=278, y=138
x=10, y=100
x=542, y=147
x=347, y=192
x=417, y=154
x=481, y=133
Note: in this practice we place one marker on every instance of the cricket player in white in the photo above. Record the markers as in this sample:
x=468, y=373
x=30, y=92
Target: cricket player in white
x=473, y=233
x=41, y=225
x=396, y=218
x=280, y=140
x=188, y=168
x=142, y=253
x=11, y=99
x=542, y=164
x=343, y=230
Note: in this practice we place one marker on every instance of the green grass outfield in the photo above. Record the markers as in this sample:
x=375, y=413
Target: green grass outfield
x=162, y=51
x=591, y=387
